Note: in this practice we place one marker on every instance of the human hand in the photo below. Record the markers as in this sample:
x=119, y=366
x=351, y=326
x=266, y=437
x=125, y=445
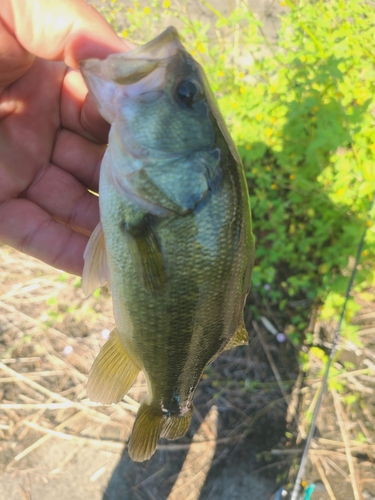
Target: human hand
x=52, y=138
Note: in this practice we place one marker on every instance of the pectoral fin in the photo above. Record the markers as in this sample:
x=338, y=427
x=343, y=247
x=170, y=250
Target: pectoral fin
x=113, y=372
x=147, y=255
x=241, y=337
x=95, y=271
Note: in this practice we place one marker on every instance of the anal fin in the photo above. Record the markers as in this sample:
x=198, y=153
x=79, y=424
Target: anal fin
x=241, y=337
x=113, y=372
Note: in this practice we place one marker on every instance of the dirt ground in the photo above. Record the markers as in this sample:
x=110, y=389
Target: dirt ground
x=251, y=414
x=50, y=335
x=247, y=433
x=56, y=444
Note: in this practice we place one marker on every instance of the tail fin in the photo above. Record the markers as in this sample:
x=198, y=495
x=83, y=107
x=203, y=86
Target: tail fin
x=149, y=425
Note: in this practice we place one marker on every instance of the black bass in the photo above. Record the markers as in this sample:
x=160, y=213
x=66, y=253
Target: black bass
x=174, y=242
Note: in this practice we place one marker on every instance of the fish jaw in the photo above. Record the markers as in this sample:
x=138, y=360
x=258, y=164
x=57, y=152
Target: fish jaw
x=126, y=88
x=129, y=74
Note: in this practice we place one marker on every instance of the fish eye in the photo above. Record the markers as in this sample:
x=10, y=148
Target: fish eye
x=188, y=93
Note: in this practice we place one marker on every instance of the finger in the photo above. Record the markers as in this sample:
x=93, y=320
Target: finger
x=78, y=156
x=93, y=122
x=64, y=30
x=62, y=196
x=27, y=227
x=14, y=59
x=78, y=109
x=28, y=129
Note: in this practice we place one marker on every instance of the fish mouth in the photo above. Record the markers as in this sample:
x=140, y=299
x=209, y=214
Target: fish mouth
x=130, y=67
x=163, y=46
x=140, y=72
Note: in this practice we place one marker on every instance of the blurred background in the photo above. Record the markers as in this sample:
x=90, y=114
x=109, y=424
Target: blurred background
x=295, y=81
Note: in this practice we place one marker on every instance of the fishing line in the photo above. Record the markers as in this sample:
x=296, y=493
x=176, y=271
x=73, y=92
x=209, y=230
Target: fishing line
x=297, y=484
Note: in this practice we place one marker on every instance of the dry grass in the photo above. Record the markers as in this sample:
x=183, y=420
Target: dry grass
x=342, y=454
x=49, y=336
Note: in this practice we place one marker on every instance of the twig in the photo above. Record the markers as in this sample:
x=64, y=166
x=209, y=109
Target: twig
x=317, y=381
x=43, y=439
x=182, y=446
x=46, y=406
x=115, y=446
x=340, y=456
x=341, y=422
x=33, y=359
x=293, y=451
x=317, y=463
x=341, y=444
x=271, y=361
x=35, y=375
x=150, y=478
x=98, y=473
x=31, y=320
x=337, y=468
x=49, y=393
x=67, y=459
x=34, y=418
x=291, y=413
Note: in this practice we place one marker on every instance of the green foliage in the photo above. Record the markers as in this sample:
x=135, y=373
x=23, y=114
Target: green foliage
x=350, y=399
x=308, y=148
x=77, y=282
x=302, y=116
x=361, y=438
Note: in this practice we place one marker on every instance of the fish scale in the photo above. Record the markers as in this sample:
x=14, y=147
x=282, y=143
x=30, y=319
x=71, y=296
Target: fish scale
x=174, y=241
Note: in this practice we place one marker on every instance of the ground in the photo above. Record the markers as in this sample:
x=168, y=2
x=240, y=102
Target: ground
x=55, y=440
x=251, y=414
x=247, y=431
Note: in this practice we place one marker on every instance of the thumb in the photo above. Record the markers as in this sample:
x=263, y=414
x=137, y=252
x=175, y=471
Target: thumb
x=62, y=30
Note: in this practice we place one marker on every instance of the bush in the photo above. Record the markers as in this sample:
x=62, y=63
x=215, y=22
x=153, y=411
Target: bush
x=302, y=116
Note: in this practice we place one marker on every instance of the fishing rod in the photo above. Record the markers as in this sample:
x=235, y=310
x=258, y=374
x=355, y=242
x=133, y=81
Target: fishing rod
x=282, y=493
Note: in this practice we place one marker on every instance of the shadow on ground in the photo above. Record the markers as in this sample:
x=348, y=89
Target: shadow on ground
x=240, y=415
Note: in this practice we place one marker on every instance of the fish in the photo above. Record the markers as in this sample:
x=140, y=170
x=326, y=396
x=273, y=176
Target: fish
x=174, y=242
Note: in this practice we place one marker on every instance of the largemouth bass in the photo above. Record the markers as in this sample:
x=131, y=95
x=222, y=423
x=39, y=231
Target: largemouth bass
x=174, y=242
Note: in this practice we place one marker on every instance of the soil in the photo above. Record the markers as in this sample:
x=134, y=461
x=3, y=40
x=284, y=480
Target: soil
x=239, y=409
x=247, y=432
x=248, y=429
